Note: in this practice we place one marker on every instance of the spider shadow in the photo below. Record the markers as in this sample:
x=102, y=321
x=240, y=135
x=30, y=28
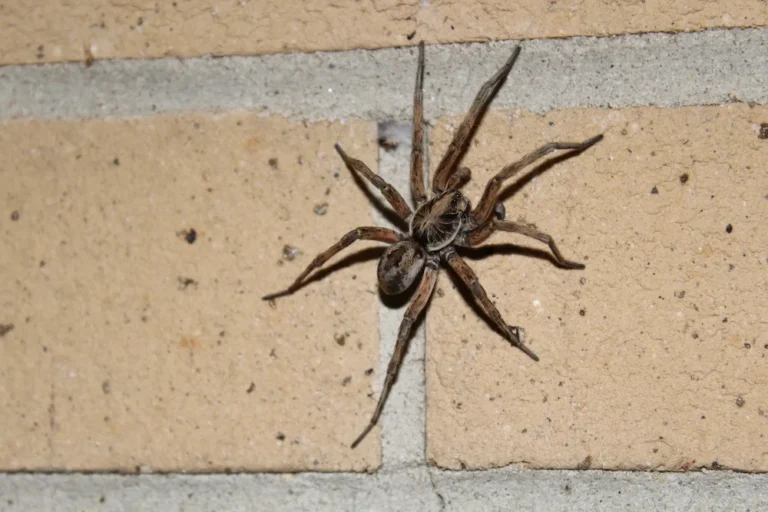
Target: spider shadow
x=506, y=249
x=515, y=187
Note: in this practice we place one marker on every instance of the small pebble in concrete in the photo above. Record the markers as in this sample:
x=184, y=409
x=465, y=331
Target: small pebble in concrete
x=321, y=209
x=290, y=253
x=186, y=282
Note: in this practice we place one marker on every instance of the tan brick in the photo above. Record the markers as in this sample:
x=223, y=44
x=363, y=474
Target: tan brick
x=657, y=359
x=135, y=349
x=66, y=31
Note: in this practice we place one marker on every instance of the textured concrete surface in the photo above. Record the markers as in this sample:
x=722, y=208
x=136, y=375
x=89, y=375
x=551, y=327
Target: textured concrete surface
x=654, y=356
x=663, y=70
x=138, y=345
x=689, y=69
x=405, y=489
x=59, y=30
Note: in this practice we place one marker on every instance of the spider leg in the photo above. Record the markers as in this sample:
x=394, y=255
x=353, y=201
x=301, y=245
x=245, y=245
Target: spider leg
x=420, y=300
x=485, y=207
x=469, y=278
x=417, y=151
x=364, y=233
x=462, y=136
x=473, y=238
x=390, y=193
x=458, y=178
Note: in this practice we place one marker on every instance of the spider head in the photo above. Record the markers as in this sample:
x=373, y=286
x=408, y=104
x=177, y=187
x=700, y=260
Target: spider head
x=454, y=203
x=399, y=266
x=437, y=222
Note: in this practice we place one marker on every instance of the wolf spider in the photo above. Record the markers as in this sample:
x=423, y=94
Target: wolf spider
x=440, y=223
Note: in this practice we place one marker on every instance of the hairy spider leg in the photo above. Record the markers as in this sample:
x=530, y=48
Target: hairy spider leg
x=484, y=209
x=390, y=193
x=458, y=178
x=463, y=135
x=420, y=300
x=417, y=151
x=469, y=278
x=479, y=235
x=363, y=233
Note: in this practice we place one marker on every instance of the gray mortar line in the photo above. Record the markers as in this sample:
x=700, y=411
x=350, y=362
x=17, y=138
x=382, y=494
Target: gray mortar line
x=405, y=489
x=403, y=428
x=665, y=70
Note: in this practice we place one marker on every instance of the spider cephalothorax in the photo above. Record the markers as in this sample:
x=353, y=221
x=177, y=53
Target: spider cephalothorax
x=440, y=224
x=438, y=221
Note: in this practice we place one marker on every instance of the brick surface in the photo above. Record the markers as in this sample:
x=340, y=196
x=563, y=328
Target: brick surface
x=79, y=31
x=139, y=346
x=654, y=357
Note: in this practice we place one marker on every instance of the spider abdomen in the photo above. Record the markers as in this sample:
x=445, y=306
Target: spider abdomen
x=438, y=221
x=399, y=266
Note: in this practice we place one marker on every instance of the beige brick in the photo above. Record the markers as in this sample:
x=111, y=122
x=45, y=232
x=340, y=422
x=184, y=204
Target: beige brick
x=657, y=359
x=133, y=349
x=75, y=31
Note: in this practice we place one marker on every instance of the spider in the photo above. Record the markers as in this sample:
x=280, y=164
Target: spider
x=439, y=224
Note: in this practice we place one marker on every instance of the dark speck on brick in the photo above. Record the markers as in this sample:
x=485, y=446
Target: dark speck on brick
x=654, y=190
x=186, y=282
x=728, y=228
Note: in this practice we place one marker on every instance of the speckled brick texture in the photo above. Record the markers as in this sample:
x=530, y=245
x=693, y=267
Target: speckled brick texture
x=58, y=30
x=655, y=356
x=135, y=254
